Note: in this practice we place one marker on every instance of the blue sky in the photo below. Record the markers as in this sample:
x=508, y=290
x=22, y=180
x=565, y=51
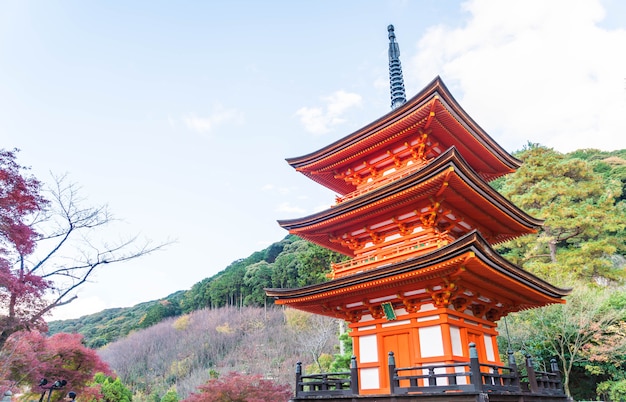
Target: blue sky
x=179, y=115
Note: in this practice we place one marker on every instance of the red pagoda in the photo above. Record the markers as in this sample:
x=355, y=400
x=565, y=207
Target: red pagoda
x=419, y=220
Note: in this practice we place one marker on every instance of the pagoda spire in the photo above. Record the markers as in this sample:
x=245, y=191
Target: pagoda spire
x=398, y=95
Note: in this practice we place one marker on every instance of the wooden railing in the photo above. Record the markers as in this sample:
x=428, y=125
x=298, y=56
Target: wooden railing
x=468, y=377
x=471, y=376
x=388, y=254
x=344, y=383
x=542, y=382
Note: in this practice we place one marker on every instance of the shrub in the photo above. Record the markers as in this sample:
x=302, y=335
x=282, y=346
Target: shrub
x=236, y=387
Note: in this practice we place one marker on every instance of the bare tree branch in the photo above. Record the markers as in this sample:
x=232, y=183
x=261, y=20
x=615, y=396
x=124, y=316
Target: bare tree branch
x=69, y=250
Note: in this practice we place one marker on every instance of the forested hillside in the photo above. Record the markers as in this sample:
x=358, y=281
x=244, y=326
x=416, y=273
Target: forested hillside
x=582, y=245
x=581, y=196
x=181, y=353
x=291, y=262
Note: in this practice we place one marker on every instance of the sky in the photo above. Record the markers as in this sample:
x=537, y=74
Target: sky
x=179, y=115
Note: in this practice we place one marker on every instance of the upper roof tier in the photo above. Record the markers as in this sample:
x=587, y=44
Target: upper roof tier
x=446, y=191
x=424, y=127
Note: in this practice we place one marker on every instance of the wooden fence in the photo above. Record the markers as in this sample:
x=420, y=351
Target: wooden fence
x=344, y=383
x=472, y=376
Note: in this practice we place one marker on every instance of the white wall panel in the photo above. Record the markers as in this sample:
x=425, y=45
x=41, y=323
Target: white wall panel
x=431, y=341
x=369, y=378
x=368, y=349
x=455, y=336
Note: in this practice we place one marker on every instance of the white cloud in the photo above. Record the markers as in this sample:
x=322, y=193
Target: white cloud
x=207, y=124
x=320, y=120
x=540, y=71
x=198, y=124
x=288, y=208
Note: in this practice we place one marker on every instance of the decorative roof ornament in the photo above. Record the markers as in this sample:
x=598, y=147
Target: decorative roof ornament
x=398, y=95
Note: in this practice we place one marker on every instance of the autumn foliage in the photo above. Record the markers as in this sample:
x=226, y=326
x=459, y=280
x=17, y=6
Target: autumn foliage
x=236, y=387
x=19, y=198
x=33, y=356
x=21, y=290
x=49, y=247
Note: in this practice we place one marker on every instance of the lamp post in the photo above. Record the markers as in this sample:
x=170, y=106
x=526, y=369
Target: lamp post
x=58, y=384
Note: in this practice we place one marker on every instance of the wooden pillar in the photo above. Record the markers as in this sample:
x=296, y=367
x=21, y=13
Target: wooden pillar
x=391, y=362
x=514, y=370
x=298, y=378
x=532, y=379
x=476, y=378
x=354, y=376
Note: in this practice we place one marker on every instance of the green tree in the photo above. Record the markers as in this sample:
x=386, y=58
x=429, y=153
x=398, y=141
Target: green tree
x=581, y=213
x=314, y=263
x=285, y=268
x=612, y=391
x=258, y=276
x=112, y=390
x=197, y=297
x=571, y=332
x=170, y=396
x=580, y=198
x=611, y=165
x=302, y=263
x=606, y=354
x=159, y=312
x=275, y=249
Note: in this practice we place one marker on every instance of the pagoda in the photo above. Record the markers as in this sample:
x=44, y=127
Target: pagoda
x=417, y=217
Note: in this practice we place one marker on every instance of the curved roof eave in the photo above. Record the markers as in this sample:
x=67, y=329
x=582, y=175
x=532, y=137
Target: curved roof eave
x=473, y=241
x=449, y=157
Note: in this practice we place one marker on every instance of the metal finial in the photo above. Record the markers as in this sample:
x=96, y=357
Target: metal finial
x=398, y=95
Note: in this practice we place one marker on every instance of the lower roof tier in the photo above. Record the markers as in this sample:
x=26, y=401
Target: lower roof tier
x=467, y=274
x=446, y=194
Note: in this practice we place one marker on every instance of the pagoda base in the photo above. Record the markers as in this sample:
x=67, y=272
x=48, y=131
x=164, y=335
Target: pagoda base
x=449, y=397
x=475, y=382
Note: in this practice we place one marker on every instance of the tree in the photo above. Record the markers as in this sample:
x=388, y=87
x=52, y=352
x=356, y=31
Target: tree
x=170, y=396
x=572, y=332
x=209, y=342
x=59, y=357
x=21, y=290
x=159, y=312
x=580, y=245
x=314, y=333
x=258, y=277
x=583, y=218
x=112, y=389
x=314, y=263
x=606, y=352
x=48, y=247
x=612, y=391
x=302, y=263
x=236, y=387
